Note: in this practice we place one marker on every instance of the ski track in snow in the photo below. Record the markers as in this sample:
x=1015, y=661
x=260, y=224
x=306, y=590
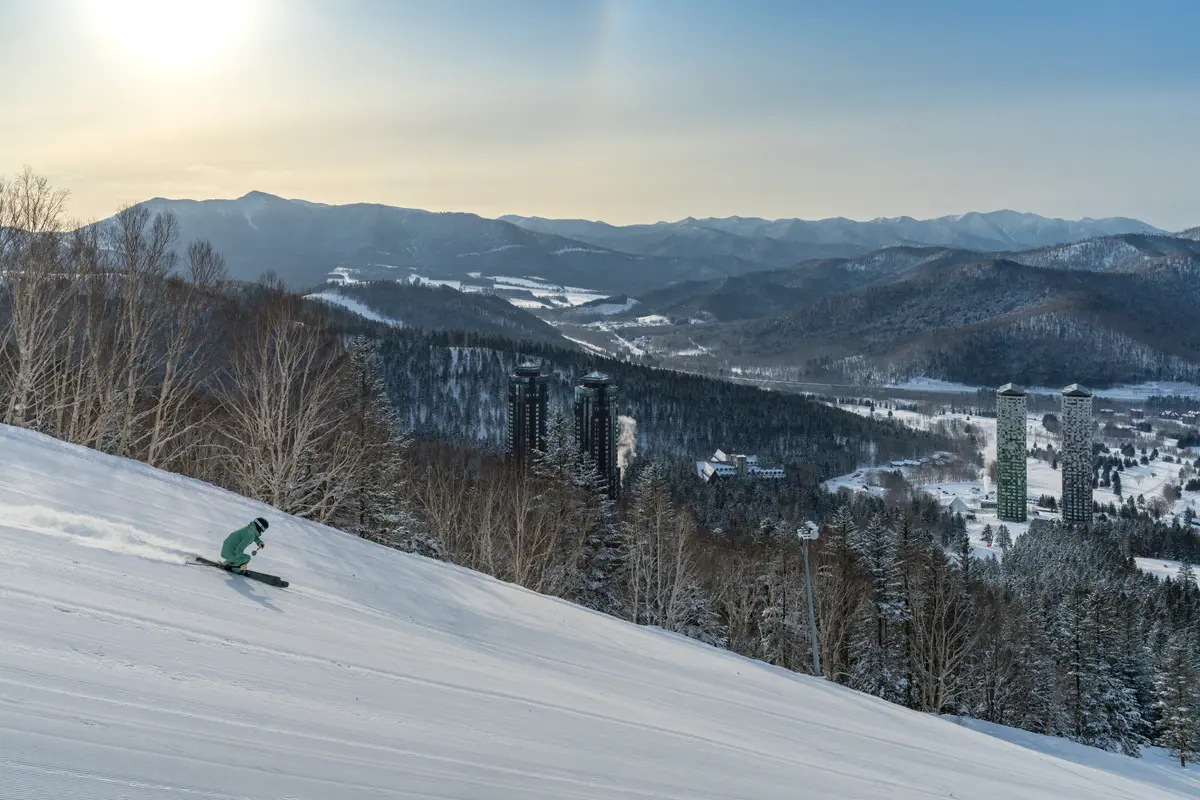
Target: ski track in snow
x=382, y=675
x=351, y=304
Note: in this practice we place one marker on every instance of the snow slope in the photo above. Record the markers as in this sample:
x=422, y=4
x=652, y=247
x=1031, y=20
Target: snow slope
x=350, y=304
x=126, y=674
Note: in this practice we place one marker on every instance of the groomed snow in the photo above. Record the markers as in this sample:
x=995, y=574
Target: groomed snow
x=350, y=304
x=126, y=674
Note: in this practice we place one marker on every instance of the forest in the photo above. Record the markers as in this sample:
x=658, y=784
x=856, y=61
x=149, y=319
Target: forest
x=114, y=339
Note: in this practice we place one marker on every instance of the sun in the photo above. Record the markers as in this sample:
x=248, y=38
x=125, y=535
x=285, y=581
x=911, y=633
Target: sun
x=172, y=34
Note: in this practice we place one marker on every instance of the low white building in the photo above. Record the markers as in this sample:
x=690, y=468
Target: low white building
x=959, y=506
x=722, y=465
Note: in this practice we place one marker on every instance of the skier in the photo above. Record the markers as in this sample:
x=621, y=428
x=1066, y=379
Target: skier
x=233, y=551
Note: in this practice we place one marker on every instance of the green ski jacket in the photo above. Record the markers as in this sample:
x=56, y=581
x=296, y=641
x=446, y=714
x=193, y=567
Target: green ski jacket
x=237, y=542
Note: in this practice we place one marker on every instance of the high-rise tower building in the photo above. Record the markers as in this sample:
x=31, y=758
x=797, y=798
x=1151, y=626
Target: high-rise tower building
x=1076, y=457
x=1012, y=493
x=528, y=398
x=596, y=426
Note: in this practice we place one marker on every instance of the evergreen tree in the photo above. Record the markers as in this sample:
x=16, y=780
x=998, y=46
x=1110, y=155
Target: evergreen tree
x=597, y=572
x=988, y=535
x=963, y=550
x=1101, y=710
x=839, y=597
x=877, y=650
x=1177, y=692
x=1186, y=577
x=1004, y=538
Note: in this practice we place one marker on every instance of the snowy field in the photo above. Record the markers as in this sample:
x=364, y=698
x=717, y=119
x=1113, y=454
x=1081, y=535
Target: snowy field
x=1163, y=568
x=547, y=295
x=553, y=296
x=125, y=674
x=350, y=304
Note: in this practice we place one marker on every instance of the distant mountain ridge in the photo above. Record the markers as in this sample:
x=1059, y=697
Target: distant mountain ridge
x=305, y=243
x=1107, y=310
x=781, y=240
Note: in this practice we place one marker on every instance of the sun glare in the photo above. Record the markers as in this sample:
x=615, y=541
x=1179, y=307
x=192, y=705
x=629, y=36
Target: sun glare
x=172, y=34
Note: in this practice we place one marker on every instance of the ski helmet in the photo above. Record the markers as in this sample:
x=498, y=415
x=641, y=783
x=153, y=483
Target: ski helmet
x=261, y=524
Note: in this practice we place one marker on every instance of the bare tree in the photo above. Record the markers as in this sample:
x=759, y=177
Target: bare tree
x=661, y=560
x=285, y=401
x=31, y=269
x=188, y=354
x=142, y=247
x=943, y=633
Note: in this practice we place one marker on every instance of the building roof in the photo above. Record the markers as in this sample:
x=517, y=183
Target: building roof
x=1076, y=390
x=596, y=377
x=1011, y=390
x=530, y=366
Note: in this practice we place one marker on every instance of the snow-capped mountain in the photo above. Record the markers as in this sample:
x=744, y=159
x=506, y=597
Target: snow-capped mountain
x=996, y=230
x=380, y=674
x=1126, y=253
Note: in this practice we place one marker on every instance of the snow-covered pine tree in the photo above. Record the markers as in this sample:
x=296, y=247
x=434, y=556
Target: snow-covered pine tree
x=877, y=648
x=838, y=593
x=1003, y=538
x=963, y=551
x=1185, y=577
x=378, y=509
x=1177, y=693
x=596, y=571
x=1101, y=710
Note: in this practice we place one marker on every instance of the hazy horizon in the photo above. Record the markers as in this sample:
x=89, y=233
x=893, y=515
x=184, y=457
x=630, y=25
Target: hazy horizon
x=627, y=111
x=311, y=201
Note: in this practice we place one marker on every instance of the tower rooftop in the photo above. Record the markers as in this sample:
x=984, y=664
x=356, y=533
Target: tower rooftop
x=596, y=378
x=1076, y=390
x=529, y=367
x=1011, y=390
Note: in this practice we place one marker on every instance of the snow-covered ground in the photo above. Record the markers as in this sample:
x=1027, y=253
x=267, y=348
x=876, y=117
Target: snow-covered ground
x=1164, y=568
x=1156, y=767
x=350, y=304
x=555, y=296
x=343, y=275
x=126, y=674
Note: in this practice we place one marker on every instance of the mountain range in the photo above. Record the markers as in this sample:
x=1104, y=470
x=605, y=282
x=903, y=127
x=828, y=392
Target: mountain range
x=976, y=298
x=1106, y=310
x=784, y=241
x=307, y=243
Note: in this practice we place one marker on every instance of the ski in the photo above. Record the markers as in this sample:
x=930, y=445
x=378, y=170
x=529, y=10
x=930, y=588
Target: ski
x=272, y=580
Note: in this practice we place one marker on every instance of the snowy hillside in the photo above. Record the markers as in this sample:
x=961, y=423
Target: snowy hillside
x=126, y=674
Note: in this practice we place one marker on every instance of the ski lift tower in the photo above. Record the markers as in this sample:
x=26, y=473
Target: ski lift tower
x=809, y=533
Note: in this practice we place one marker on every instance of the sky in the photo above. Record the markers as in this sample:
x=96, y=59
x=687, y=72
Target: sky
x=622, y=110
